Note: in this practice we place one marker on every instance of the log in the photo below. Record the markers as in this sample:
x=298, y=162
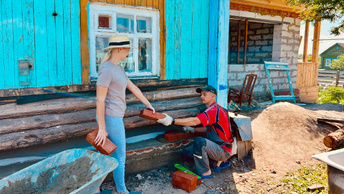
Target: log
x=71, y=104
x=45, y=121
x=43, y=136
x=63, y=132
x=49, y=120
x=43, y=107
x=335, y=139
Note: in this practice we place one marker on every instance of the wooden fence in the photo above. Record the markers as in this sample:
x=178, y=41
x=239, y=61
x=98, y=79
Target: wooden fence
x=330, y=77
x=307, y=73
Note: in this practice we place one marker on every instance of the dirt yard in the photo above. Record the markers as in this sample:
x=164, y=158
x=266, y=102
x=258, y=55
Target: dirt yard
x=285, y=136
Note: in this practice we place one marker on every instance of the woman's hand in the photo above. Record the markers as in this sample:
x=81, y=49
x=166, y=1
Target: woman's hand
x=101, y=137
x=149, y=106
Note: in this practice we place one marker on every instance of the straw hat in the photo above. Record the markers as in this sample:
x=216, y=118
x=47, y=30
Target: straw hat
x=119, y=41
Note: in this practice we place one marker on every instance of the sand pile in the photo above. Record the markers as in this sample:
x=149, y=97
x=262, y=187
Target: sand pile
x=285, y=136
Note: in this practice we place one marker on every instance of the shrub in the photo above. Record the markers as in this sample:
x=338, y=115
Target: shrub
x=332, y=94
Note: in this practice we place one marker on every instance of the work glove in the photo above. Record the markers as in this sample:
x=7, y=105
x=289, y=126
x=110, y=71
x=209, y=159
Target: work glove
x=188, y=129
x=165, y=121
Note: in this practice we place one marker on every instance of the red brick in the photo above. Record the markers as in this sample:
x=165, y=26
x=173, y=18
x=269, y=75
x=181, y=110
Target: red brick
x=183, y=177
x=184, y=186
x=148, y=114
x=108, y=147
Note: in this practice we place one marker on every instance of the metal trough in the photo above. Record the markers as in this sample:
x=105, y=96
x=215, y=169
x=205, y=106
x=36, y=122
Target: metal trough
x=335, y=169
x=70, y=171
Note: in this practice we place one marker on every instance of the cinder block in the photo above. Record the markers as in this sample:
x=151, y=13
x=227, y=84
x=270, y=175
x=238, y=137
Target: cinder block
x=107, y=149
x=148, y=114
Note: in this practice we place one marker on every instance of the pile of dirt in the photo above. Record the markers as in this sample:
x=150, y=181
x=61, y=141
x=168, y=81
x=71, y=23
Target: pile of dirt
x=286, y=135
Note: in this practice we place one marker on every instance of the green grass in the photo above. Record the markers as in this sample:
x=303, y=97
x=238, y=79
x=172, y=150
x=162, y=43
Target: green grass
x=307, y=176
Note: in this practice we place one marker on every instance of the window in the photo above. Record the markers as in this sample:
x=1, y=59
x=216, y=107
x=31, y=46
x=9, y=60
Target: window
x=328, y=62
x=142, y=28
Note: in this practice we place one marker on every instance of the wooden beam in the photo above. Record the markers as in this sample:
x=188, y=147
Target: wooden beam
x=245, y=40
x=305, y=45
x=315, y=52
x=238, y=44
x=84, y=42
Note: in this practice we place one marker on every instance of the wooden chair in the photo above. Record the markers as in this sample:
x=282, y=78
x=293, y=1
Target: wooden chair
x=245, y=93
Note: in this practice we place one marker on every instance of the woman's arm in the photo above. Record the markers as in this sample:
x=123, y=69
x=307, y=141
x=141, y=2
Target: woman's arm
x=102, y=134
x=137, y=92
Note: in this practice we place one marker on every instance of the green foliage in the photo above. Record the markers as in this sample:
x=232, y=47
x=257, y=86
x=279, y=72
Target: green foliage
x=315, y=10
x=338, y=64
x=332, y=94
x=299, y=182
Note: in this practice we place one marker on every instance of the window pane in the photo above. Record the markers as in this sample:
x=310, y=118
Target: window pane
x=101, y=43
x=128, y=64
x=125, y=23
x=104, y=22
x=145, y=55
x=144, y=24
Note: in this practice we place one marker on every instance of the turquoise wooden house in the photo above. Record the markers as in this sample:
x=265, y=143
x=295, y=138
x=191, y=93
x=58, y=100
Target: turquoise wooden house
x=49, y=58
x=331, y=54
x=51, y=50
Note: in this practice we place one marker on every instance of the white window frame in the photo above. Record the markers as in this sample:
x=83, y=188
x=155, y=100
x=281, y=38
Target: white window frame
x=96, y=9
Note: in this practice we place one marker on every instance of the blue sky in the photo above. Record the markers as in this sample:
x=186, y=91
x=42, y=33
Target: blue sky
x=324, y=34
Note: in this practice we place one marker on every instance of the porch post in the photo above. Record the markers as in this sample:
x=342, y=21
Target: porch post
x=218, y=48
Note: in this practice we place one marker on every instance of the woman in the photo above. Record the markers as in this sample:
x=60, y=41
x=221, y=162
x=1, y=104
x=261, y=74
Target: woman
x=111, y=85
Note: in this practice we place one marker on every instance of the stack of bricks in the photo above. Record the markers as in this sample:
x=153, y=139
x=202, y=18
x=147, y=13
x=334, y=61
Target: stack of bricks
x=176, y=134
x=185, y=181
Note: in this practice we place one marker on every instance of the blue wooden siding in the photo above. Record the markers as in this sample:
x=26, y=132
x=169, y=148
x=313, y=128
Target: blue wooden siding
x=186, y=38
x=51, y=44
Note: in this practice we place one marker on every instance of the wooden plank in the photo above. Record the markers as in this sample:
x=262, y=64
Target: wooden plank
x=162, y=39
x=177, y=41
x=2, y=63
x=51, y=42
x=222, y=70
x=316, y=41
x=186, y=37
x=68, y=78
x=60, y=48
x=75, y=42
x=8, y=57
x=29, y=39
x=204, y=37
x=245, y=40
x=156, y=4
x=41, y=57
x=18, y=44
x=305, y=45
x=85, y=70
x=238, y=42
x=213, y=43
x=170, y=39
x=149, y=3
x=196, y=19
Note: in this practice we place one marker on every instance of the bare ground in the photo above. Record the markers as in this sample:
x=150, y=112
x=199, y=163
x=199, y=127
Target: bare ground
x=285, y=136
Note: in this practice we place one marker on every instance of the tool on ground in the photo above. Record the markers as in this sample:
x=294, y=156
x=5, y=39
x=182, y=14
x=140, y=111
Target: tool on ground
x=182, y=168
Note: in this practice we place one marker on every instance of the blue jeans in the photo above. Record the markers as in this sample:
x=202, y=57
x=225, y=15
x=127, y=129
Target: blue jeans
x=116, y=133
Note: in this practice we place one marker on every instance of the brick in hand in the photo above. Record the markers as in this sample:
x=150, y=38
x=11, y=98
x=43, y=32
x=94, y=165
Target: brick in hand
x=148, y=114
x=108, y=147
x=185, y=181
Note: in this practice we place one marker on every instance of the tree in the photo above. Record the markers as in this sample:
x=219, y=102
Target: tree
x=316, y=10
x=338, y=64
